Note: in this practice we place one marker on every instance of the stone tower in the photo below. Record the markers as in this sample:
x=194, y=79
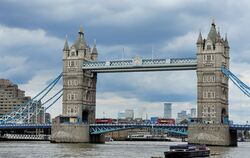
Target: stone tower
x=79, y=93
x=212, y=92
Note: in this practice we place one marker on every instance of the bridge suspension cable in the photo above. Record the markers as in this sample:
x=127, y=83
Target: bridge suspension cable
x=242, y=86
x=27, y=110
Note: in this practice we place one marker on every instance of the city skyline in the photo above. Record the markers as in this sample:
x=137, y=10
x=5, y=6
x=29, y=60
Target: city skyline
x=32, y=51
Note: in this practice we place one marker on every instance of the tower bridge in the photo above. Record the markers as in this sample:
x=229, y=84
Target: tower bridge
x=80, y=70
x=81, y=67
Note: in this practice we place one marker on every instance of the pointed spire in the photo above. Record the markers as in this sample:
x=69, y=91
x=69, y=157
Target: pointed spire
x=66, y=45
x=81, y=30
x=199, y=40
x=218, y=38
x=80, y=42
x=212, y=35
x=94, y=50
x=226, y=41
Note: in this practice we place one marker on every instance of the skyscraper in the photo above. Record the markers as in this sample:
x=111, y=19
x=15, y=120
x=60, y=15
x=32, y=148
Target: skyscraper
x=193, y=112
x=129, y=114
x=167, y=110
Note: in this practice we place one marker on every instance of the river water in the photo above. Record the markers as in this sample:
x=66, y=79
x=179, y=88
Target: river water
x=122, y=149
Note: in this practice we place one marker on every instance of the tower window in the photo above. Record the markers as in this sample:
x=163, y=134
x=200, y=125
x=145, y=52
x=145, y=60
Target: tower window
x=209, y=47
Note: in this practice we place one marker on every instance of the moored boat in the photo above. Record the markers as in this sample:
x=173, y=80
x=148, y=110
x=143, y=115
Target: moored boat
x=187, y=151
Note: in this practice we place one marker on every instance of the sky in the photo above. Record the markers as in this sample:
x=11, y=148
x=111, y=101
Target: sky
x=32, y=35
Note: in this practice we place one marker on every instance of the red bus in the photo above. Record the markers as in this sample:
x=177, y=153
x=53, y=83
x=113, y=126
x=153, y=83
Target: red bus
x=166, y=121
x=104, y=121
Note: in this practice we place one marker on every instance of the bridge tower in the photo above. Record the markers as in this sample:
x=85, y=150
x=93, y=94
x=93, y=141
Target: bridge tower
x=212, y=91
x=212, y=86
x=79, y=93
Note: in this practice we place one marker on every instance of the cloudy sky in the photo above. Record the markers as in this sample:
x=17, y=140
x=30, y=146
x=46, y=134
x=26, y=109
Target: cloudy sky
x=32, y=35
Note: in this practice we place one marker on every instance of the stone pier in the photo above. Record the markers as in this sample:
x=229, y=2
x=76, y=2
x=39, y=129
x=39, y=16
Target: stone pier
x=212, y=134
x=70, y=133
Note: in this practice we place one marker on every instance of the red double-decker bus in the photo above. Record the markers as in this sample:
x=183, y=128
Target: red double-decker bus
x=104, y=121
x=166, y=121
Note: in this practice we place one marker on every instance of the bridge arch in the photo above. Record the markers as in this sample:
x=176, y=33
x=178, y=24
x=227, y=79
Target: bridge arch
x=85, y=116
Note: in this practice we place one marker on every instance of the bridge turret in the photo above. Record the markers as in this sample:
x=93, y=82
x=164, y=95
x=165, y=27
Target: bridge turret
x=200, y=43
x=94, y=53
x=66, y=48
x=219, y=46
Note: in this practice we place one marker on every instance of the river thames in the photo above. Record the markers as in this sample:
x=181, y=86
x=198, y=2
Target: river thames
x=122, y=149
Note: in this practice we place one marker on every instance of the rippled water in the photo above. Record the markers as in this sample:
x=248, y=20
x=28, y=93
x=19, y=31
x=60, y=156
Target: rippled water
x=108, y=150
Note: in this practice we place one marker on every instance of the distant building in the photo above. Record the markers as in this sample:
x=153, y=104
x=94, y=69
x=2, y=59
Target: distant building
x=193, y=112
x=154, y=120
x=121, y=115
x=129, y=114
x=10, y=96
x=182, y=116
x=167, y=110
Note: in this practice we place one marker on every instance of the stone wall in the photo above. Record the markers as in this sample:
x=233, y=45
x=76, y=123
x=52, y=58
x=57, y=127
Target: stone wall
x=70, y=133
x=211, y=134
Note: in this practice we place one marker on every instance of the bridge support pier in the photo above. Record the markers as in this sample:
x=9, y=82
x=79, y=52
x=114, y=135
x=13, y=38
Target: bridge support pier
x=97, y=138
x=70, y=133
x=212, y=134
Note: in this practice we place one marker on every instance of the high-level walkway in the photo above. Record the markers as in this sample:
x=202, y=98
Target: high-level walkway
x=139, y=64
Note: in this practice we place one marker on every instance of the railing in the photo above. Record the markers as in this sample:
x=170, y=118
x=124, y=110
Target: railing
x=25, y=137
x=139, y=61
x=138, y=64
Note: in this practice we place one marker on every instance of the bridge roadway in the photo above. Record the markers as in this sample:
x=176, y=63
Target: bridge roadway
x=138, y=64
x=104, y=128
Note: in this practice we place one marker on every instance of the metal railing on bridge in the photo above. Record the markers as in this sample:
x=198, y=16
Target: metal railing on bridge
x=139, y=64
x=177, y=129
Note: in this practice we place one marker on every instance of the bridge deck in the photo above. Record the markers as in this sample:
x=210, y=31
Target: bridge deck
x=137, y=64
x=96, y=128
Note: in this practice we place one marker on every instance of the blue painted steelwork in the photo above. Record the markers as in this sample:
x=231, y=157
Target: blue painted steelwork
x=240, y=127
x=25, y=126
x=22, y=113
x=105, y=128
x=139, y=64
x=176, y=129
x=242, y=86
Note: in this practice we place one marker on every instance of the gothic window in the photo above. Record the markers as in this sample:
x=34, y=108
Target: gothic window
x=208, y=110
x=208, y=94
x=71, y=96
x=72, y=63
x=77, y=53
x=87, y=95
x=208, y=58
x=209, y=47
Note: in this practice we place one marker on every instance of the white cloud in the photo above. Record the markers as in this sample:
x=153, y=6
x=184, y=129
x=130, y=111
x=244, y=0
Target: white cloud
x=180, y=44
x=14, y=37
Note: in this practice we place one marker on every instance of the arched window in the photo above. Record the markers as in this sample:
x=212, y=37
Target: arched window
x=87, y=95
